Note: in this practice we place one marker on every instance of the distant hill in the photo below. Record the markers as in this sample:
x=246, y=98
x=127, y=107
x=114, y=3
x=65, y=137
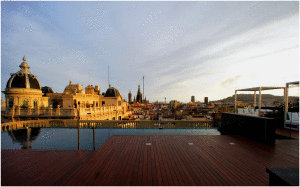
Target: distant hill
x=267, y=99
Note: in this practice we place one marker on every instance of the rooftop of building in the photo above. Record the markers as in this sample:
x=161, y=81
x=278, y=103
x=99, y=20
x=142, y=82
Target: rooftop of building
x=112, y=92
x=23, y=78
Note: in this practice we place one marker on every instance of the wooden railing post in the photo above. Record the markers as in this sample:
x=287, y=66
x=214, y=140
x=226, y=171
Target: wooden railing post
x=94, y=146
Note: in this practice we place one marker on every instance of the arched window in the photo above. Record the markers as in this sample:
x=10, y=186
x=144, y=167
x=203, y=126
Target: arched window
x=25, y=103
x=55, y=103
x=75, y=103
x=11, y=102
x=35, y=103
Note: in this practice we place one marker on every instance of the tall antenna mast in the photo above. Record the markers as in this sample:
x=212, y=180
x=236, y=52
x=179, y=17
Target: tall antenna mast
x=143, y=89
x=108, y=76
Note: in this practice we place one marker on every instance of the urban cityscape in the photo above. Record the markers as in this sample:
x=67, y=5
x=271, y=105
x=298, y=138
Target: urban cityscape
x=150, y=93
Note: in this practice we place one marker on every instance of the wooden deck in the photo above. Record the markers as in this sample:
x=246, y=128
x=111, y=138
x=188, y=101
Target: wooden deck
x=169, y=160
x=287, y=133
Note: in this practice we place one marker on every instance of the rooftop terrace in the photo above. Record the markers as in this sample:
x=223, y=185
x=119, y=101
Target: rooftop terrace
x=153, y=160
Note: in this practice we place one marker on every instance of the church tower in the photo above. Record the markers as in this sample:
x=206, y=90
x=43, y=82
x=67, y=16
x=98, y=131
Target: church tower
x=129, y=97
x=139, y=96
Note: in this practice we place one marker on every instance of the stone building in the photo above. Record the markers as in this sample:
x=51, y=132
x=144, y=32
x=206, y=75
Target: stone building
x=192, y=99
x=25, y=99
x=23, y=90
x=139, y=97
x=206, y=100
x=129, y=97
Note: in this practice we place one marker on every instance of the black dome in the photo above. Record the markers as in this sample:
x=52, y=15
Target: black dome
x=17, y=81
x=23, y=78
x=112, y=92
x=47, y=89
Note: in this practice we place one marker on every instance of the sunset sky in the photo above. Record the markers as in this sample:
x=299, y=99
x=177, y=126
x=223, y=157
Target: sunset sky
x=182, y=48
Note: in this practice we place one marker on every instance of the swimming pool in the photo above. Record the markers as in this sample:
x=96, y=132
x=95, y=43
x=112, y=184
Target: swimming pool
x=83, y=138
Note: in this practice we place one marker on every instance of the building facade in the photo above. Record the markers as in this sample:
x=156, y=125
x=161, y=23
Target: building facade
x=25, y=99
x=192, y=98
x=129, y=97
x=206, y=100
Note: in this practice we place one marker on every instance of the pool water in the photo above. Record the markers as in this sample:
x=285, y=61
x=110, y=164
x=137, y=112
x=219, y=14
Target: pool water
x=68, y=139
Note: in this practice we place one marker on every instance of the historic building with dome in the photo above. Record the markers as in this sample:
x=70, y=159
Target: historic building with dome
x=26, y=99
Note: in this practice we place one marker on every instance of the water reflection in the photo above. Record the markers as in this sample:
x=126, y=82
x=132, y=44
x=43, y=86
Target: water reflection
x=25, y=137
x=80, y=138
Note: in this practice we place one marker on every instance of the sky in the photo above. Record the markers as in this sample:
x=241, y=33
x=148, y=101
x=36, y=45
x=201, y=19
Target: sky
x=205, y=49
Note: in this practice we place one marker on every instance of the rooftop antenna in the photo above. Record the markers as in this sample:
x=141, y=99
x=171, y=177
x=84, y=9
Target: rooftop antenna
x=108, y=76
x=143, y=89
x=89, y=77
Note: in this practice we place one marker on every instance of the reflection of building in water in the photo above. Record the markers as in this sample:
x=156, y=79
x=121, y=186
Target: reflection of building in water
x=25, y=136
x=25, y=99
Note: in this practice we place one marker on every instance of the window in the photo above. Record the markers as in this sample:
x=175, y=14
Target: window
x=10, y=102
x=103, y=103
x=75, y=103
x=55, y=103
x=119, y=103
x=35, y=103
x=25, y=103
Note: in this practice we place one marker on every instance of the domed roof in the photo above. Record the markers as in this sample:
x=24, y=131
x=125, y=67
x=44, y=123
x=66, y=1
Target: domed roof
x=112, y=92
x=47, y=89
x=23, y=78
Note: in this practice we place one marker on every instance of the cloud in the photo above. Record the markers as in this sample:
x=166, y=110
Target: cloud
x=182, y=48
x=230, y=81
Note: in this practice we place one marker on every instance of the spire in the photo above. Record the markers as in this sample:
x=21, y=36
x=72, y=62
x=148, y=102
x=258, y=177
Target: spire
x=139, y=95
x=24, y=66
x=108, y=76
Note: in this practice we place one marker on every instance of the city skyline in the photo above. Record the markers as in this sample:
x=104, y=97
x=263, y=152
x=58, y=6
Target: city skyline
x=182, y=48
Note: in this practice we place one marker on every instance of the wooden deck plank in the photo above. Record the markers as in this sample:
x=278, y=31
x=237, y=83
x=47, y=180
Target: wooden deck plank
x=161, y=164
x=177, y=164
x=170, y=160
x=31, y=167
